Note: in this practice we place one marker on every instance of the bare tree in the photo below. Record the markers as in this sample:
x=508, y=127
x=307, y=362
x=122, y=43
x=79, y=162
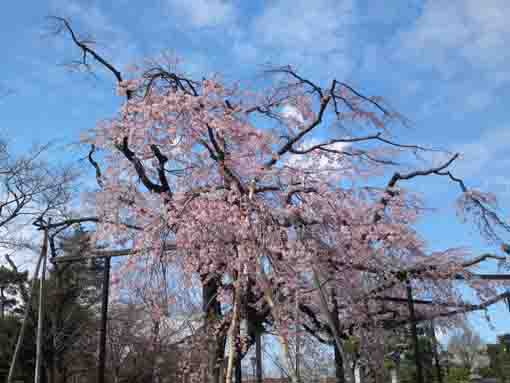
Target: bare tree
x=466, y=346
x=31, y=191
x=30, y=188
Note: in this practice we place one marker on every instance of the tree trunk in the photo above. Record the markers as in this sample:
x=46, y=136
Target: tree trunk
x=63, y=375
x=215, y=344
x=53, y=376
x=50, y=372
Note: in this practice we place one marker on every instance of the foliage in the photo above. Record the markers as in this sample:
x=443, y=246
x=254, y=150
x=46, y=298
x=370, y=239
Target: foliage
x=9, y=328
x=458, y=375
x=11, y=283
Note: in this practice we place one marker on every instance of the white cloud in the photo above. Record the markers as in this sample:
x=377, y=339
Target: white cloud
x=307, y=162
x=204, y=13
x=310, y=34
x=488, y=156
x=448, y=34
x=303, y=25
x=291, y=112
x=465, y=44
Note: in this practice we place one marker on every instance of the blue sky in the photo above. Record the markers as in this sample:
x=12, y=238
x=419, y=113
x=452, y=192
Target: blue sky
x=441, y=63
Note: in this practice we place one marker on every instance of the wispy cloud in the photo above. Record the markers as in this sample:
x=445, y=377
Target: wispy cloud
x=487, y=158
x=303, y=26
x=465, y=44
x=309, y=34
x=449, y=34
x=203, y=13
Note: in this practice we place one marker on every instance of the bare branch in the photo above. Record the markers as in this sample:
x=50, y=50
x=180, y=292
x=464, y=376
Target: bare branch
x=95, y=165
x=288, y=145
x=63, y=25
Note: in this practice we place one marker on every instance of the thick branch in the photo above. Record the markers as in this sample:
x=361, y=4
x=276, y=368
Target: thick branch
x=87, y=50
x=140, y=170
x=288, y=145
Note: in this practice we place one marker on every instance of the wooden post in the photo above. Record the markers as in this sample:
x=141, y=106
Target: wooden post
x=40, y=324
x=239, y=369
x=439, y=372
x=357, y=374
x=101, y=355
x=298, y=351
x=414, y=331
x=258, y=356
x=44, y=250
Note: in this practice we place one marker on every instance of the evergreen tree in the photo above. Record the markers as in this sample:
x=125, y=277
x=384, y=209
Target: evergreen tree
x=10, y=281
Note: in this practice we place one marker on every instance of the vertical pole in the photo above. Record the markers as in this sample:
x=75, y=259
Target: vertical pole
x=439, y=372
x=40, y=323
x=414, y=331
x=2, y=300
x=357, y=374
x=21, y=335
x=394, y=375
x=298, y=375
x=258, y=355
x=340, y=363
x=239, y=369
x=253, y=361
x=339, y=366
x=101, y=356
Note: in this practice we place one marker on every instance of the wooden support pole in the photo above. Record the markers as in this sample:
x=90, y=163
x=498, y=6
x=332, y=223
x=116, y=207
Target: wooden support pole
x=101, y=355
x=439, y=371
x=258, y=356
x=15, y=355
x=414, y=332
x=40, y=323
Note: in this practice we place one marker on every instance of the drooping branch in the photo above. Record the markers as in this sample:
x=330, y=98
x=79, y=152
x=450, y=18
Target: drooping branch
x=369, y=138
x=459, y=311
x=336, y=96
x=421, y=173
x=482, y=258
x=301, y=80
x=173, y=80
